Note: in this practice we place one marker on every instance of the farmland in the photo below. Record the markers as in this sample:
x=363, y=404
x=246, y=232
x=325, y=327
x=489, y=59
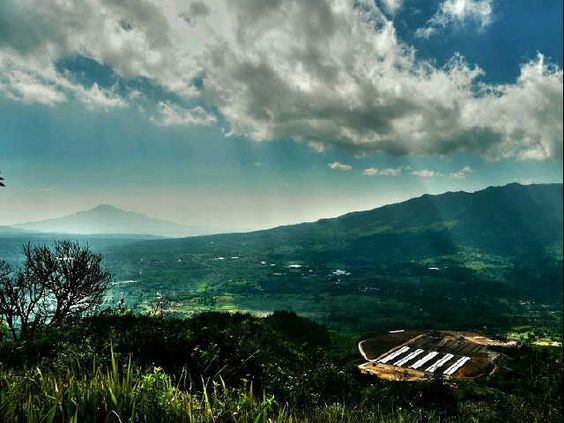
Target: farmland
x=347, y=298
x=470, y=291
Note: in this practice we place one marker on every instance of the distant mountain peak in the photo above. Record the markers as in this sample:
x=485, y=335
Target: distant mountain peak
x=104, y=207
x=108, y=219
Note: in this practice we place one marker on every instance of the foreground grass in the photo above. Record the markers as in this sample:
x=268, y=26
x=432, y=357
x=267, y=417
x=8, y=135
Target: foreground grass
x=218, y=367
x=127, y=394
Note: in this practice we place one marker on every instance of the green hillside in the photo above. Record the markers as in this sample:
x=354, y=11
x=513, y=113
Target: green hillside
x=458, y=260
x=513, y=220
x=468, y=260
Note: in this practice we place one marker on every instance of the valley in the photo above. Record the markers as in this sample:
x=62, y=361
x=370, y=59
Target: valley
x=489, y=261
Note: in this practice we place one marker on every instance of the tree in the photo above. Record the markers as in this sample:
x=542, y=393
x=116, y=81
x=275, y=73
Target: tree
x=54, y=285
x=21, y=301
x=158, y=306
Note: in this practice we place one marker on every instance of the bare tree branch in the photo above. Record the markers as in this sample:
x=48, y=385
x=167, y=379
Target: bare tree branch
x=54, y=285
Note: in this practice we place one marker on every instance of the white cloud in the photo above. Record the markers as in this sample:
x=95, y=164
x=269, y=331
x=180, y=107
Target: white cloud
x=350, y=82
x=526, y=117
x=29, y=88
x=171, y=114
x=458, y=12
x=339, y=166
x=322, y=72
x=462, y=173
x=31, y=82
x=391, y=171
x=97, y=97
x=392, y=6
x=426, y=173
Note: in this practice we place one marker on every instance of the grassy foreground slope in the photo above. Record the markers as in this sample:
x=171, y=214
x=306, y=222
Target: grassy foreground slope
x=237, y=368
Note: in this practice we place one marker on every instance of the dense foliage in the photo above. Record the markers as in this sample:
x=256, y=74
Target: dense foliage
x=239, y=368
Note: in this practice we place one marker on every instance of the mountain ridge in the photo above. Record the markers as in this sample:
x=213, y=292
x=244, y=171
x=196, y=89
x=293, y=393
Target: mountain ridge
x=436, y=213
x=513, y=219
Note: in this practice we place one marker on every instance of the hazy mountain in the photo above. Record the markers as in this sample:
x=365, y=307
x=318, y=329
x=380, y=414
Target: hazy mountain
x=514, y=220
x=107, y=219
x=8, y=230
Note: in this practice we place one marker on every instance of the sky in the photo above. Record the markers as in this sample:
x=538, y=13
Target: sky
x=255, y=113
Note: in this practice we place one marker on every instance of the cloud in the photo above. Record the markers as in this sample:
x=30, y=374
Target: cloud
x=391, y=6
x=97, y=97
x=171, y=114
x=29, y=88
x=528, y=181
x=339, y=166
x=374, y=171
x=346, y=80
x=462, y=173
x=426, y=173
x=129, y=36
x=525, y=117
x=37, y=83
x=195, y=10
x=199, y=8
x=324, y=72
x=458, y=12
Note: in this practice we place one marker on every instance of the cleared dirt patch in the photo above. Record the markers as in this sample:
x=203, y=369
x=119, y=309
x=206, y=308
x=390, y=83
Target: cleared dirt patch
x=410, y=356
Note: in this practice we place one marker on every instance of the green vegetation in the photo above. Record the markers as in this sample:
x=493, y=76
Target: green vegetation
x=220, y=367
x=381, y=296
x=487, y=261
x=130, y=395
x=490, y=261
